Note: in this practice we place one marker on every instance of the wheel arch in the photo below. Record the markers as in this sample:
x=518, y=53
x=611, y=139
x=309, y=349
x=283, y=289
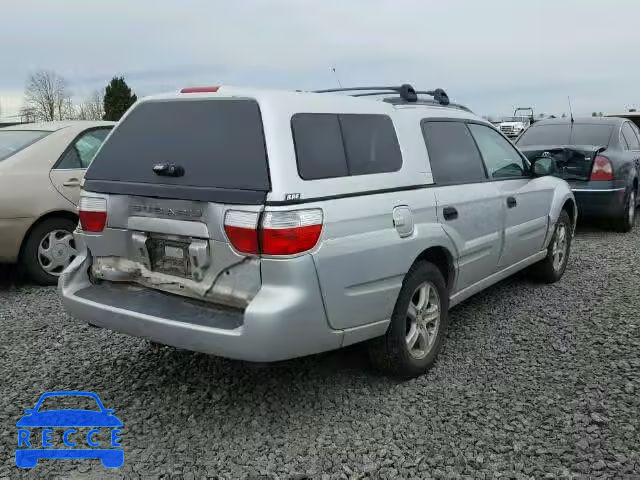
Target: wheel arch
x=442, y=258
x=570, y=207
x=66, y=214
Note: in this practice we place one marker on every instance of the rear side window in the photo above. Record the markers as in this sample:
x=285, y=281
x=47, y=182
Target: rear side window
x=80, y=154
x=218, y=142
x=319, y=147
x=12, y=141
x=630, y=137
x=453, y=154
x=371, y=144
x=339, y=145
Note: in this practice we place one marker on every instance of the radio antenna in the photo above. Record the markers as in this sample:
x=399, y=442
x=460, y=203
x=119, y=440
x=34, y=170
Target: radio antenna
x=570, y=109
x=333, y=69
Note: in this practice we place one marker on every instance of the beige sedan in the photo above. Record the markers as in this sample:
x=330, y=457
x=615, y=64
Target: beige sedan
x=41, y=168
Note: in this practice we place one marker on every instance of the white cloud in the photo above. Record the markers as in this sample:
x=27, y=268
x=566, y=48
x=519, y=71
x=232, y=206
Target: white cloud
x=493, y=54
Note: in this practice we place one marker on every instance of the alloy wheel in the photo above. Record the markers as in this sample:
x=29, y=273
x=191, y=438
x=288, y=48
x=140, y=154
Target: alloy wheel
x=559, y=246
x=422, y=320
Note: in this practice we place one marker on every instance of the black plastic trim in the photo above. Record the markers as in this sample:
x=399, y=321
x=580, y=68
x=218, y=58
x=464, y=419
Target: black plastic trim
x=275, y=203
x=163, y=305
x=177, y=192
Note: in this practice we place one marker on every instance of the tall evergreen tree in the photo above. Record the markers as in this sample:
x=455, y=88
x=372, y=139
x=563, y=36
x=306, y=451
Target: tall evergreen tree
x=118, y=97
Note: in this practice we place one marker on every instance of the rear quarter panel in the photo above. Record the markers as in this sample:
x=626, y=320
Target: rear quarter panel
x=362, y=260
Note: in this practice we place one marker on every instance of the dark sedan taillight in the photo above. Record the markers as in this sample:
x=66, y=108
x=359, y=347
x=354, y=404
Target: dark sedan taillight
x=602, y=169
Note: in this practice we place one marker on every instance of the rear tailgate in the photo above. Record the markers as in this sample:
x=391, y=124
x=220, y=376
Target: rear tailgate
x=573, y=162
x=167, y=176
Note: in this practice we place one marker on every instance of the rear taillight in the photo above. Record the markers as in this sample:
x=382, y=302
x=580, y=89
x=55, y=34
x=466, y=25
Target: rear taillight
x=602, y=169
x=242, y=230
x=288, y=233
x=93, y=214
x=279, y=233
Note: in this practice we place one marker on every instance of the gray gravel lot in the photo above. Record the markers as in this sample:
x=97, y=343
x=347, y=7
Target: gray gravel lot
x=535, y=381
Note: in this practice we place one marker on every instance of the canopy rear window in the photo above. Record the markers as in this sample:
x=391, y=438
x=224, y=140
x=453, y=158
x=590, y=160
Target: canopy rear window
x=219, y=143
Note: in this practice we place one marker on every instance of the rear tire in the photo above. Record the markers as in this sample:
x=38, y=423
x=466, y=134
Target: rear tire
x=552, y=267
x=625, y=221
x=44, y=235
x=418, y=324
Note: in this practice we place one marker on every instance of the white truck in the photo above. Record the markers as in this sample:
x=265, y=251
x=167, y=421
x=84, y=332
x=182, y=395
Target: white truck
x=515, y=125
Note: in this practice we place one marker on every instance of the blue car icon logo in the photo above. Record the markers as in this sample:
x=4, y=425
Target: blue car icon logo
x=84, y=434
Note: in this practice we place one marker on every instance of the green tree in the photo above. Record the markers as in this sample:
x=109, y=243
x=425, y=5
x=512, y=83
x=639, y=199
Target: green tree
x=118, y=97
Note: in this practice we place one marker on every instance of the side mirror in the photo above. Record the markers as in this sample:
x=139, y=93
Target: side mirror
x=543, y=166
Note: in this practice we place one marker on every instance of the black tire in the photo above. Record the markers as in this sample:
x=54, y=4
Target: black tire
x=391, y=353
x=29, y=258
x=546, y=270
x=626, y=219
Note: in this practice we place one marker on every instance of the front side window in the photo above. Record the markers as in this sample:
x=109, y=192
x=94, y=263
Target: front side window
x=500, y=157
x=453, y=154
x=630, y=137
x=80, y=154
x=330, y=145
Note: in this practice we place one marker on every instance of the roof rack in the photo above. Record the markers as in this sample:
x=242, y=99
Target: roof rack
x=407, y=93
x=426, y=101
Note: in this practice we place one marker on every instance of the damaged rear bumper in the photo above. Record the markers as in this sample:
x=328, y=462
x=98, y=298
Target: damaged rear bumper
x=284, y=319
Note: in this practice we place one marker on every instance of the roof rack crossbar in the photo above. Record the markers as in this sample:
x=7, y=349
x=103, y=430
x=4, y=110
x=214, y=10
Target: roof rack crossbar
x=406, y=92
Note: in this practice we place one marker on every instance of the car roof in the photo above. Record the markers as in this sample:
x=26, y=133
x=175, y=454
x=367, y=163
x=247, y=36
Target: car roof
x=580, y=120
x=58, y=125
x=301, y=100
x=623, y=114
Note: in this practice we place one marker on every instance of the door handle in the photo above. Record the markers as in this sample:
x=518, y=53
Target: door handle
x=511, y=202
x=449, y=213
x=72, y=182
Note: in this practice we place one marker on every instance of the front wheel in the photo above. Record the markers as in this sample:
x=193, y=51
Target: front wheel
x=552, y=267
x=418, y=324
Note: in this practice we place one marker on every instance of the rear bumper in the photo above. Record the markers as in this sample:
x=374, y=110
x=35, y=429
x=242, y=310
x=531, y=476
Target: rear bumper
x=12, y=232
x=599, y=199
x=284, y=320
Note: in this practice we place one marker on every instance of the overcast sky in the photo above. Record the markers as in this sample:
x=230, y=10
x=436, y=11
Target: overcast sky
x=491, y=55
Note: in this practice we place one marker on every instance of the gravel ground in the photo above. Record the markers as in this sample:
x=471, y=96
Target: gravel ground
x=534, y=382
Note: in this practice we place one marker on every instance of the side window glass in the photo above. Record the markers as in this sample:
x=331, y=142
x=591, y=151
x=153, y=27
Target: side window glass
x=81, y=153
x=453, y=155
x=318, y=143
x=332, y=145
x=500, y=157
x=630, y=137
x=371, y=144
x=623, y=141
x=71, y=159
